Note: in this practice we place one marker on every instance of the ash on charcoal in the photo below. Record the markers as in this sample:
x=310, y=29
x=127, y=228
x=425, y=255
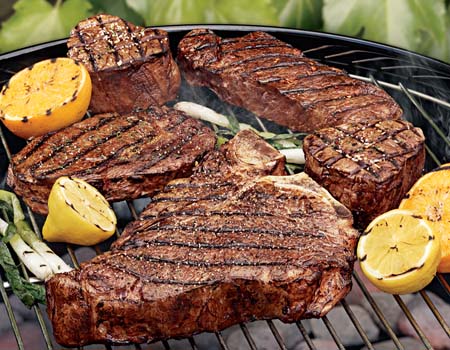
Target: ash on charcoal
x=427, y=321
x=320, y=344
x=388, y=306
x=263, y=337
x=407, y=342
x=344, y=326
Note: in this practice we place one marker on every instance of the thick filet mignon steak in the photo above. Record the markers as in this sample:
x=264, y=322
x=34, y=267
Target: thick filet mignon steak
x=367, y=167
x=275, y=81
x=130, y=66
x=269, y=247
x=123, y=156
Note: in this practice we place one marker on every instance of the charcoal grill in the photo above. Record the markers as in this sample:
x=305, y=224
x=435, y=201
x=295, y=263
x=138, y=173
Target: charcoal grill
x=420, y=85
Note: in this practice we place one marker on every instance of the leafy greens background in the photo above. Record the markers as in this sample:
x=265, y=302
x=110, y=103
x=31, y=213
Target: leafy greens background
x=417, y=25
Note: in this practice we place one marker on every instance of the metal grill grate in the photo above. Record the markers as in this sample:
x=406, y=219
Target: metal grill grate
x=411, y=90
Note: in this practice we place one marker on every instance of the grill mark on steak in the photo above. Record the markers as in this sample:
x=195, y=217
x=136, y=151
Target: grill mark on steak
x=190, y=185
x=353, y=107
x=102, y=122
x=83, y=152
x=205, y=245
x=87, y=49
x=107, y=37
x=137, y=142
x=252, y=59
x=319, y=102
x=124, y=269
x=254, y=47
x=225, y=229
x=302, y=77
x=168, y=149
x=136, y=41
x=197, y=212
x=316, y=89
x=194, y=263
x=279, y=65
x=189, y=199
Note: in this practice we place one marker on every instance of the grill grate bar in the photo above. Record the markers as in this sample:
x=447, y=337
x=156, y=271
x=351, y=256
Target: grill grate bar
x=413, y=322
x=432, y=155
x=248, y=336
x=436, y=312
x=333, y=333
x=193, y=344
x=379, y=313
x=35, y=308
x=443, y=283
x=398, y=88
x=134, y=214
x=277, y=335
x=357, y=325
x=425, y=115
x=222, y=343
x=166, y=345
x=12, y=318
x=305, y=335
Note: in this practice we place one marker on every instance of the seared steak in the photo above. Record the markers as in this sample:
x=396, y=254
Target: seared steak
x=269, y=247
x=367, y=167
x=275, y=81
x=123, y=156
x=130, y=66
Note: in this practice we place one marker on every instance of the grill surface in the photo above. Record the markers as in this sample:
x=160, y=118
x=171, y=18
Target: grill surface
x=419, y=84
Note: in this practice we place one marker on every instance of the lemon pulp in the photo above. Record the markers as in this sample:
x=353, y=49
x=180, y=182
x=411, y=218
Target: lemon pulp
x=45, y=97
x=399, y=252
x=430, y=198
x=78, y=214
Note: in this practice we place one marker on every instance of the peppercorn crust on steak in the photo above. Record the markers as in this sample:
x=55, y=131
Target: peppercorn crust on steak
x=130, y=66
x=227, y=245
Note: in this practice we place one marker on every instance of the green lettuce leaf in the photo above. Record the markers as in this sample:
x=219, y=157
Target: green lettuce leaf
x=36, y=21
x=244, y=12
x=118, y=8
x=413, y=24
x=170, y=11
x=305, y=14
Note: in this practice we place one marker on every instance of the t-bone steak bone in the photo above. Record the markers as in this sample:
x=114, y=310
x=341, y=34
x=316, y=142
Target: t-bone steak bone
x=123, y=156
x=368, y=167
x=269, y=247
x=130, y=66
x=275, y=81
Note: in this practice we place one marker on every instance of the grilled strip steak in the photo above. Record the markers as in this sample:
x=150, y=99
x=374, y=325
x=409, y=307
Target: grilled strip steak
x=275, y=81
x=191, y=266
x=367, y=167
x=130, y=66
x=123, y=156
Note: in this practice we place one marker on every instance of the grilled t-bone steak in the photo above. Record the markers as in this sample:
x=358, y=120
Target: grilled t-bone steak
x=124, y=156
x=275, y=81
x=130, y=66
x=207, y=254
x=367, y=167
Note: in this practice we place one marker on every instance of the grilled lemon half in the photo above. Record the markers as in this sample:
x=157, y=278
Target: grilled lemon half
x=398, y=252
x=430, y=198
x=45, y=97
x=78, y=214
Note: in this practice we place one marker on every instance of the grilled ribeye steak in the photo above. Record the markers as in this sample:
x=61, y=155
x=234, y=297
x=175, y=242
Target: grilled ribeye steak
x=272, y=247
x=123, y=156
x=130, y=66
x=275, y=81
x=367, y=167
